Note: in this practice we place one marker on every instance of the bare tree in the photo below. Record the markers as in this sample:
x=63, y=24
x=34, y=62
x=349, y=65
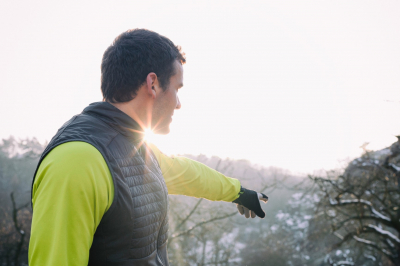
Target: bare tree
x=19, y=227
x=208, y=233
x=18, y=159
x=362, y=206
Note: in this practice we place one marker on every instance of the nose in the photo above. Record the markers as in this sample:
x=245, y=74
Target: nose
x=178, y=103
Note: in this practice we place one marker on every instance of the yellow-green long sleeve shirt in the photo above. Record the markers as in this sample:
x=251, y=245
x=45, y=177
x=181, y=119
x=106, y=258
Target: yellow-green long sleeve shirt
x=73, y=188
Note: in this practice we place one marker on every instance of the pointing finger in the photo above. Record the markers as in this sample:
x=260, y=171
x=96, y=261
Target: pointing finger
x=263, y=197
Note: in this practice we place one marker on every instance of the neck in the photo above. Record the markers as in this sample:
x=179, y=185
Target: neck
x=138, y=112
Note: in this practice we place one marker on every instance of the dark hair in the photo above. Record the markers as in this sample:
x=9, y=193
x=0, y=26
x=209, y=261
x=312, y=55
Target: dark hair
x=131, y=57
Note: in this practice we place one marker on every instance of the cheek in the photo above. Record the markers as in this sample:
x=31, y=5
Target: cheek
x=173, y=101
x=167, y=105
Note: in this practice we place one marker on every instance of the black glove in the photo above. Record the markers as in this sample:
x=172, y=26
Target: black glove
x=248, y=203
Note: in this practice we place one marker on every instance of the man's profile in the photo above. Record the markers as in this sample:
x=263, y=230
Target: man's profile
x=100, y=193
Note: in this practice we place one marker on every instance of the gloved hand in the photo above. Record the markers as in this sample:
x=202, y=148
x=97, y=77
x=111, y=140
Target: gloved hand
x=248, y=203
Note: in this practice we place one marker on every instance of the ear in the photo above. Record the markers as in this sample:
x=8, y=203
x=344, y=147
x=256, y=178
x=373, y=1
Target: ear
x=152, y=84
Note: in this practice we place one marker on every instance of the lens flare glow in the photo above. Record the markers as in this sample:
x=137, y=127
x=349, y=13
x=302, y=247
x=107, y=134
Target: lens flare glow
x=148, y=135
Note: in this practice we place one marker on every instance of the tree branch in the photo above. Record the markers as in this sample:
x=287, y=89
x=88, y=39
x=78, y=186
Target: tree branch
x=190, y=214
x=200, y=224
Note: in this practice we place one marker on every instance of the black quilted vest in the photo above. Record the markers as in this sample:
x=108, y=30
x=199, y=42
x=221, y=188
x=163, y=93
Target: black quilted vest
x=134, y=230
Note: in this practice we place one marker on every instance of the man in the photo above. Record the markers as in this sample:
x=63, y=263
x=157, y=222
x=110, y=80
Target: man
x=99, y=194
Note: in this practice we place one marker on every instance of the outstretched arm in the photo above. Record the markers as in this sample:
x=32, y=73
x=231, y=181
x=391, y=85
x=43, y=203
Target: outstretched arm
x=184, y=176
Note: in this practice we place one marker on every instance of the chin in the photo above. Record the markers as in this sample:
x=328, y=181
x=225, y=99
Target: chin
x=162, y=131
x=161, y=126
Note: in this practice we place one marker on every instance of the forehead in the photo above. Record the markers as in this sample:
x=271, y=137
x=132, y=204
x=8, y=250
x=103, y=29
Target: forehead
x=178, y=77
x=178, y=68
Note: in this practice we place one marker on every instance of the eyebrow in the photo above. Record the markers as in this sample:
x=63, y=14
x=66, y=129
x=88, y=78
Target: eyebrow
x=180, y=85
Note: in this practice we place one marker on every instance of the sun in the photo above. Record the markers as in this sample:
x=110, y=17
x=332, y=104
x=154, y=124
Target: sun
x=148, y=135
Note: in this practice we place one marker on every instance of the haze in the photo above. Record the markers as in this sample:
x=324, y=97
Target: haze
x=294, y=84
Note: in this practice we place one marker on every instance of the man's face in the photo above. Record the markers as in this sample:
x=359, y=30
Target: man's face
x=166, y=102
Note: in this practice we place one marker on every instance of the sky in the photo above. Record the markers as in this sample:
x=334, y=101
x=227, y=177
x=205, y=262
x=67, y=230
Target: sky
x=294, y=84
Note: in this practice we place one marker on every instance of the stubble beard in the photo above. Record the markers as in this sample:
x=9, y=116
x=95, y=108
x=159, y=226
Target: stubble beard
x=162, y=125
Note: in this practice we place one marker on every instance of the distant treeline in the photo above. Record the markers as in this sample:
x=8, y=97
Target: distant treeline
x=347, y=217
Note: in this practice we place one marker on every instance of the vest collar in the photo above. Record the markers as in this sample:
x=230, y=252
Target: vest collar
x=117, y=119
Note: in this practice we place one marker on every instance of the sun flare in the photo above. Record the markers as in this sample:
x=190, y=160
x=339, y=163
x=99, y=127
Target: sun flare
x=148, y=135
